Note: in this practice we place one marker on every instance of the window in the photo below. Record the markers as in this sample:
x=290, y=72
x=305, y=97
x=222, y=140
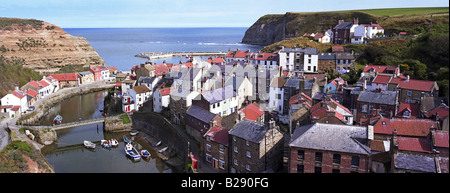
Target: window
x=317, y=169
x=234, y=138
x=208, y=158
x=355, y=161
x=318, y=157
x=246, y=143
x=300, y=169
x=364, y=108
x=221, y=164
x=300, y=154
x=208, y=147
x=409, y=93
x=249, y=155
x=309, y=61
x=235, y=162
x=222, y=155
x=406, y=114
x=337, y=158
x=235, y=149
x=247, y=167
x=309, y=68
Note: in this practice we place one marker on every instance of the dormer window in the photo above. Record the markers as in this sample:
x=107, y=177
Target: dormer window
x=406, y=114
x=384, y=123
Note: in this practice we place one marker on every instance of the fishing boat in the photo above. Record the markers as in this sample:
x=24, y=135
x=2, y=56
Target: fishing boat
x=127, y=139
x=162, y=150
x=89, y=144
x=145, y=153
x=105, y=143
x=158, y=144
x=134, y=132
x=132, y=152
x=57, y=120
x=113, y=142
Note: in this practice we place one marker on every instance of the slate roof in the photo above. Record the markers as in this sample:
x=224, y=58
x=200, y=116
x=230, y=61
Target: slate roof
x=327, y=56
x=219, y=94
x=344, y=25
x=415, y=162
x=200, y=114
x=374, y=96
x=331, y=137
x=249, y=130
x=292, y=82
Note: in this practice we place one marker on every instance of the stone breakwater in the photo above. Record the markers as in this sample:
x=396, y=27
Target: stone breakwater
x=63, y=94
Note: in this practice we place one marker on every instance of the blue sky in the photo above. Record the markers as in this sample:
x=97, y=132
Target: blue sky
x=181, y=13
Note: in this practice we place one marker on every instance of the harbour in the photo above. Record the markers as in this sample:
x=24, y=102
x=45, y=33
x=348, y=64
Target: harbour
x=159, y=55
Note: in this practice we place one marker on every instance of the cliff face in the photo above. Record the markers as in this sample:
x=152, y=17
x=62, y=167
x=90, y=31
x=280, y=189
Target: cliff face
x=44, y=47
x=270, y=29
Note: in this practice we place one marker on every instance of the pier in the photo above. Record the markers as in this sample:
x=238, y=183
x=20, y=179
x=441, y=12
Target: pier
x=157, y=55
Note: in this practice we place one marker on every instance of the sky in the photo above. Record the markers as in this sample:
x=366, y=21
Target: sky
x=181, y=13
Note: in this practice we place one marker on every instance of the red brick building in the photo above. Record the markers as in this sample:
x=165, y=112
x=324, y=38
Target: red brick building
x=345, y=149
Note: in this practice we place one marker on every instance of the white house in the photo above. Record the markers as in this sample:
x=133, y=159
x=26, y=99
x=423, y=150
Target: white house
x=367, y=31
x=150, y=82
x=242, y=87
x=127, y=104
x=222, y=101
x=291, y=59
x=161, y=98
x=16, y=98
x=139, y=94
x=276, y=94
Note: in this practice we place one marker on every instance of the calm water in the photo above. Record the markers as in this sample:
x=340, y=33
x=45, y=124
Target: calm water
x=118, y=46
x=68, y=155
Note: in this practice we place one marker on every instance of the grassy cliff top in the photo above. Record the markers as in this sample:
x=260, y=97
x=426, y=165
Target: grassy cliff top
x=11, y=23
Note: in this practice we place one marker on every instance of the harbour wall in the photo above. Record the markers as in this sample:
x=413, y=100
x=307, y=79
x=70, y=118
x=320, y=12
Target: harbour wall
x=49, y=101
x=159, y=127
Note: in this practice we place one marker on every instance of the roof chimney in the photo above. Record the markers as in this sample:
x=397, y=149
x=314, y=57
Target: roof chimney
x=407, y=78
x=355, y=21
x=16, y=87
x=340, y=21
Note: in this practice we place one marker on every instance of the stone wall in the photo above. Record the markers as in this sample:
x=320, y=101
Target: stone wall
x=157, y=126
x=51, y=100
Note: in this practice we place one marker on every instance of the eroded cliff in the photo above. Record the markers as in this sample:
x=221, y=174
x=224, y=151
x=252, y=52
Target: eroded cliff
x=44, y=47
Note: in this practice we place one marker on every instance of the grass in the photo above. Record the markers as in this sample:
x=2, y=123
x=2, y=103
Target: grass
x=125, y=119
x=405, y=11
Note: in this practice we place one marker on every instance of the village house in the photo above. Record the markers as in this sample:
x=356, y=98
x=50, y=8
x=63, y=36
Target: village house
x=252, y=112
x=335, y=86
x=371, y=71
x=221, y=101
x=150, y=82
x=408, y=110
x=343, y=31
x=276, y=94
x=255, y=147
x=326, y=63
x=32, y=97
x=330, y=111
x=216, y=148
x=411, y=90
x=86, y=77
x=41, y=87
x=366, y=31
x=100, y=73
x=301, y=60
x=374, y=102
x=344, y=62
x=161, y=99
x=268, y=60
x=345, y=150
x=238, y=55
x=140, y=95
x=242, y=87
x=146, y=69
x=67, y=79
x=15, y=101
x=199, y=121
x=439, y=114
x=299, y=113
x=180, y=100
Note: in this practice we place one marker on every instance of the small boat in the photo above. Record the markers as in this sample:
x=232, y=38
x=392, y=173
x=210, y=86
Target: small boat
x=158, y=144
x=132, y=152
x=105, y=143
x=113, y=142
x=162, y=150
x=134, y=132
x=127, y=139
x=89, y=144
x=145, y=153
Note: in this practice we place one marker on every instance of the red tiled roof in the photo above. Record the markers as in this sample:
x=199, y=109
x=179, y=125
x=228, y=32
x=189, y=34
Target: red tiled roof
x=218, y=134
x=382, y=79
x=32, y=93
x=216, y=60
x=412, y=84
x=99, y=68
x=237, y=54
x=442, y=111
x=337, y=48
x=299, y=98
x=44, y=83
x=166, y=91
x=267, y=56
x=441, y=139
x=413, y=108
x=252, y=112
x=376, y=68
x=414, y=144
x=404, y=127
x=19, y=94
x=161, y=69
x=65, y=77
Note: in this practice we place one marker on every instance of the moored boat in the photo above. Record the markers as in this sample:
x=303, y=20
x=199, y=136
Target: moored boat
x=158, y=144
x=134, y=132
x=162, y=150
x=132, y=152
x=127, y=139
x=145, y=153
x=113, y=142
x=89, y=144
x=105, y=143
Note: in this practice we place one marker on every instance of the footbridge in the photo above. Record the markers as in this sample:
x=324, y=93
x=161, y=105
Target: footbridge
x=71, y=124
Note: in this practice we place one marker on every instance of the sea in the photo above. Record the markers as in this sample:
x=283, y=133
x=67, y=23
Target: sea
x=118, y=46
